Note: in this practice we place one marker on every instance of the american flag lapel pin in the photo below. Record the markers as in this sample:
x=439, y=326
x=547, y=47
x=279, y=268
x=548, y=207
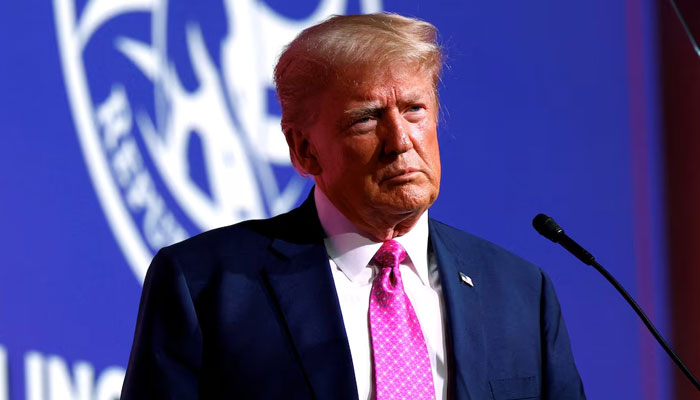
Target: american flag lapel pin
x=466, y=279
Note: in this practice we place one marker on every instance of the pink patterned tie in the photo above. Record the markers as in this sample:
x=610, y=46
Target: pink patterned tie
x=401, y=363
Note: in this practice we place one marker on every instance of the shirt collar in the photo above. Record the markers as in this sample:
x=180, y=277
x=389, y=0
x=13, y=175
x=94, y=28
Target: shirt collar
x=352, y=251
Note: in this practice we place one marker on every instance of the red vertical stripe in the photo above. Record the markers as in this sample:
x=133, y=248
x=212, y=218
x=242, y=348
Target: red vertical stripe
x=641, y=206
x=681, y=94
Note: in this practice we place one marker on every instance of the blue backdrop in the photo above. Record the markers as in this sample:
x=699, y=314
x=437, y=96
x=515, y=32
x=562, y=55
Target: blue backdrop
x=128, y=124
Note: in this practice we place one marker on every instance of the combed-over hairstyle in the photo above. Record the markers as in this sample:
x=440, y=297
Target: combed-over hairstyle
x=376, y=41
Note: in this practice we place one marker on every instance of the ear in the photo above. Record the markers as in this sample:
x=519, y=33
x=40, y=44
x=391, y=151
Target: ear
x=302, y=152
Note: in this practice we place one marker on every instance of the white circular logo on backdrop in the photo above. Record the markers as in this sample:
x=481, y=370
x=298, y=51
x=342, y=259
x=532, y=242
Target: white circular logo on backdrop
x=175, y=111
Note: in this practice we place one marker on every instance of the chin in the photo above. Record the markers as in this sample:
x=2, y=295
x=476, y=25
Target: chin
x=408, y=198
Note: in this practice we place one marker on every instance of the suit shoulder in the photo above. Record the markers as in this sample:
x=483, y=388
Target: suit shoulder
x=243, y=236
x=488, y=254
x=238, y=248
x=220, y=240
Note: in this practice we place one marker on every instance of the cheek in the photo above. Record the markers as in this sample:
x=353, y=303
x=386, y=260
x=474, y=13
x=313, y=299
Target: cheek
x=428, y=145
x=358, y=151
x=348, y=158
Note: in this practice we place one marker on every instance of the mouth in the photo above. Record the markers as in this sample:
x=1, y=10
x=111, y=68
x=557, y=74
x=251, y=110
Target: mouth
x=401, y=175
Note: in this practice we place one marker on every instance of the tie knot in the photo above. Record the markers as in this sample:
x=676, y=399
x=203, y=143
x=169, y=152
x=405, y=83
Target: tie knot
x=390, y=254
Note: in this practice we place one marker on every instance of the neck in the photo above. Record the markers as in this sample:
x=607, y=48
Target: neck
x=377, y=225
x=385, y=227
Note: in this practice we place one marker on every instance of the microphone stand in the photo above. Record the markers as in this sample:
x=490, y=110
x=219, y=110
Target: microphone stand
x=648, y=324
x=548, y=228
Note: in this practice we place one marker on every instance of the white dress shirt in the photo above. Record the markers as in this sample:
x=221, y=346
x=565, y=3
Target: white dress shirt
x=350, y=253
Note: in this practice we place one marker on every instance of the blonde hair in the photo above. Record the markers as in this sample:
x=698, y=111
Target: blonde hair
x=373, y=41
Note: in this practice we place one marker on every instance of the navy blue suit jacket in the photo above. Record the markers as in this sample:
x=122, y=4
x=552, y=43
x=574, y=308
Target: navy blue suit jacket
x=250, y=311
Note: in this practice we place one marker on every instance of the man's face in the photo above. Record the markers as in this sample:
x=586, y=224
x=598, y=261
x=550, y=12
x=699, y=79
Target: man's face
x=375, y=143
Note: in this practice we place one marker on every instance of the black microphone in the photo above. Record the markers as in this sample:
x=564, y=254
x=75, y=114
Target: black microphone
x=548, y=228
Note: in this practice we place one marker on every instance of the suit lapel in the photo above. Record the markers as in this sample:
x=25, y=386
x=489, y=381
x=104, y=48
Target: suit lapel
x=300, y=279
x=464, y=314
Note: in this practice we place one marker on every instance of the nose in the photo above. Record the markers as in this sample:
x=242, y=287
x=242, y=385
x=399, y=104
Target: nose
x=396, y=135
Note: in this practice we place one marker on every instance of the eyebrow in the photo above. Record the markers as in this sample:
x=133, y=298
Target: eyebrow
x=373, y=107
x=413, y=97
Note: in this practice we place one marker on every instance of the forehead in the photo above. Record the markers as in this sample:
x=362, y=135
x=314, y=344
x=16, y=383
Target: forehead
x=362, y=84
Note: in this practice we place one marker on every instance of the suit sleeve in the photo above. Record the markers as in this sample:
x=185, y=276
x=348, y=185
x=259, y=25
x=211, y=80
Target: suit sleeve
x=167, y=350
x=561, y=380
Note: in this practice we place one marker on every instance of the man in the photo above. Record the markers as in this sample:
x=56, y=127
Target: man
x=357, y=293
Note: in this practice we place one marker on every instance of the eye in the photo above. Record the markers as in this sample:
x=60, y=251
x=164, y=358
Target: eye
x=415, y=113
x=366, y=119
x=363, y=124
